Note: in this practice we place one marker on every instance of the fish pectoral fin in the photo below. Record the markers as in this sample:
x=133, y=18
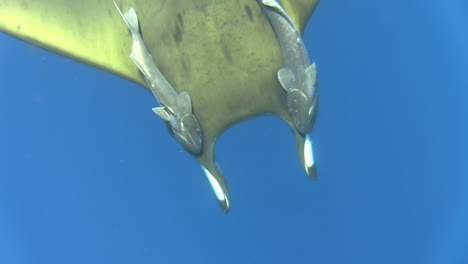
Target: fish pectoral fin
x=184, y=104
x=162, y=112
x=287, y=79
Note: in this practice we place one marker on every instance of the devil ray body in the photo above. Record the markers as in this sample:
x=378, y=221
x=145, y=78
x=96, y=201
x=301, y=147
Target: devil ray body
x=224, y=54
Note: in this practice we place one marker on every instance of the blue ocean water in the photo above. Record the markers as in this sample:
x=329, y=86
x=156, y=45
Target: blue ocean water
x=88, y=174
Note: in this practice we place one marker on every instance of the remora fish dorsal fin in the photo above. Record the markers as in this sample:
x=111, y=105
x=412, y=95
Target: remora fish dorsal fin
x=299, y=11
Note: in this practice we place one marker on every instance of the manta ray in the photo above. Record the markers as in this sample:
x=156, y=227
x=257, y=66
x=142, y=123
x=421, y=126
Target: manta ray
x=210, y=64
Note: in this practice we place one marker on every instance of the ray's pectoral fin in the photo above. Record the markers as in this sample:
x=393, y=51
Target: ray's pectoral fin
x=176, y=109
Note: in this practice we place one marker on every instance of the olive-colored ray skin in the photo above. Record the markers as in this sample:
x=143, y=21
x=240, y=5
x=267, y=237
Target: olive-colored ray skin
x=224, y=53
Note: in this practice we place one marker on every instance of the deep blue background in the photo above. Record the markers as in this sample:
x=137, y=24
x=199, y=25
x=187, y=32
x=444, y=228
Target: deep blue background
x=88, y=174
